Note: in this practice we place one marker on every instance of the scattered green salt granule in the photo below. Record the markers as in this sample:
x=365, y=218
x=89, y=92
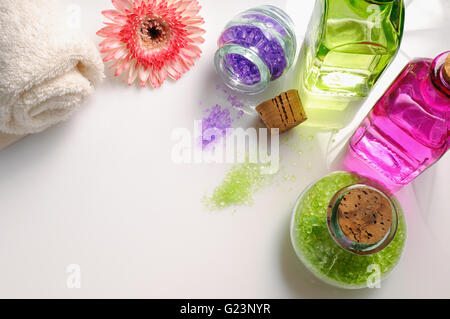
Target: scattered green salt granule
x=321, y=253
x=244, y=180
x=238, y=186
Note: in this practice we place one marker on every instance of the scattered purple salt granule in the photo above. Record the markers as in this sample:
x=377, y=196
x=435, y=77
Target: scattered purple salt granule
x=234, y=101
x=231, y=98
x=216, y=118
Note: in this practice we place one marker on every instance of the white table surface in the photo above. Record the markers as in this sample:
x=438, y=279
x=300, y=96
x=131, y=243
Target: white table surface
x=102, y=192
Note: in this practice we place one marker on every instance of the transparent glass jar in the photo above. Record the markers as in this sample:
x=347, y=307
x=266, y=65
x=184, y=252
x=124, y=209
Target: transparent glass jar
x=256, y=47
x=324, y=240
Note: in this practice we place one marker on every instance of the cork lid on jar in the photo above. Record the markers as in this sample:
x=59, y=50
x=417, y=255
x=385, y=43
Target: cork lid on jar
x=362, y=219
x=364, y=216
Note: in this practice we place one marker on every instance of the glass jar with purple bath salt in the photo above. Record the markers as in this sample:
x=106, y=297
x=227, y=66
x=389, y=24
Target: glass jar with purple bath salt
x=256, y=47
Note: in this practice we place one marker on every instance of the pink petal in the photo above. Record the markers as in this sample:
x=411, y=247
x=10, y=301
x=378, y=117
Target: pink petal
x=177, y=67
x=181, y=5
x=189, y=54
x=110, y=55
x=196, y=40
x=193, y=21
x=109, y=31
x=109, y=44
x=174, y=74
x=132, y=74
x=192, y=9
x=122, y=5
x=123, y=66
x=185, y=62
x=143, y=76
x=162, y=75
x=194, y=31
x=194, y=49
x=121, y=53
x=189, y=7
x=116, y=54
x=115, y=16
x=154, y=80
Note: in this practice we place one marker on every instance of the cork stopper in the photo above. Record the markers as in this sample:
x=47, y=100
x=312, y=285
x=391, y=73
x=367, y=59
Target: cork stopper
x=446, y=69
x=364, y=216
x=283, y=112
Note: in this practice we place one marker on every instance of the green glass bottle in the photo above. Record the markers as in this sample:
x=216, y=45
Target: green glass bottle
x=349, y=43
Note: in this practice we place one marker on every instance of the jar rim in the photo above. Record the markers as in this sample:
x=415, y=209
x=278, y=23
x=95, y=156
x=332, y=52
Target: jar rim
x=228, y=77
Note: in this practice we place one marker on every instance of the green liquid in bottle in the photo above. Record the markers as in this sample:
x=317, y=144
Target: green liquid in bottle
x=348, y=46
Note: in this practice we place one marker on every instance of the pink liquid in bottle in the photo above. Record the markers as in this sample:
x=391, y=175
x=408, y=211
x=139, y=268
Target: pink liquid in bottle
x=408, y=128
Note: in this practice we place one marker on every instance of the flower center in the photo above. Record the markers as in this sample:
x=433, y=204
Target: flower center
x=154, y=31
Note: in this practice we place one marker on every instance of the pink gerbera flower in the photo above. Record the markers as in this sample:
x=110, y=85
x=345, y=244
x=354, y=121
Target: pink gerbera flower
x=150, y=39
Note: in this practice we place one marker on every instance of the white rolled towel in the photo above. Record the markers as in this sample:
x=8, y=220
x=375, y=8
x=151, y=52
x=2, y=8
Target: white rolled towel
x=47, y=67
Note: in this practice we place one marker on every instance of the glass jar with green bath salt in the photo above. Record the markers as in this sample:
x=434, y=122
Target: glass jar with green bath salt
x=256, y=47
x=348, y=231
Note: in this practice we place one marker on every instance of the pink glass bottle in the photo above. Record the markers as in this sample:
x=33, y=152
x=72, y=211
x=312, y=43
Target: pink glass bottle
x=408, y=128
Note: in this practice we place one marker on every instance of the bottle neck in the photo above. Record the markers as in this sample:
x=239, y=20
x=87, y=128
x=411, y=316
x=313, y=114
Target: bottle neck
x=440, y=72
x=362, y=219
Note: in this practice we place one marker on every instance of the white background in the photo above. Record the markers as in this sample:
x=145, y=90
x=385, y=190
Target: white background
x=102, y=191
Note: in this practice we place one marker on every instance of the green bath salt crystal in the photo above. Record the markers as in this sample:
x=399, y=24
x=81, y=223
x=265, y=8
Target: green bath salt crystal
x=238, y=186
x=332, y=206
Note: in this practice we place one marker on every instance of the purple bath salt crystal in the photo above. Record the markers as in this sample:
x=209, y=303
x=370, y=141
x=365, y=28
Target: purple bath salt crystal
x=267, y=48
x=234, y=101
x=216, y=120
x=245, y=70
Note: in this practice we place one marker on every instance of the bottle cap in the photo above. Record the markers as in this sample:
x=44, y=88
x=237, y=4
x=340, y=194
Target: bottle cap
x=446, y=69
x=283, y=112
x=364, y=216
